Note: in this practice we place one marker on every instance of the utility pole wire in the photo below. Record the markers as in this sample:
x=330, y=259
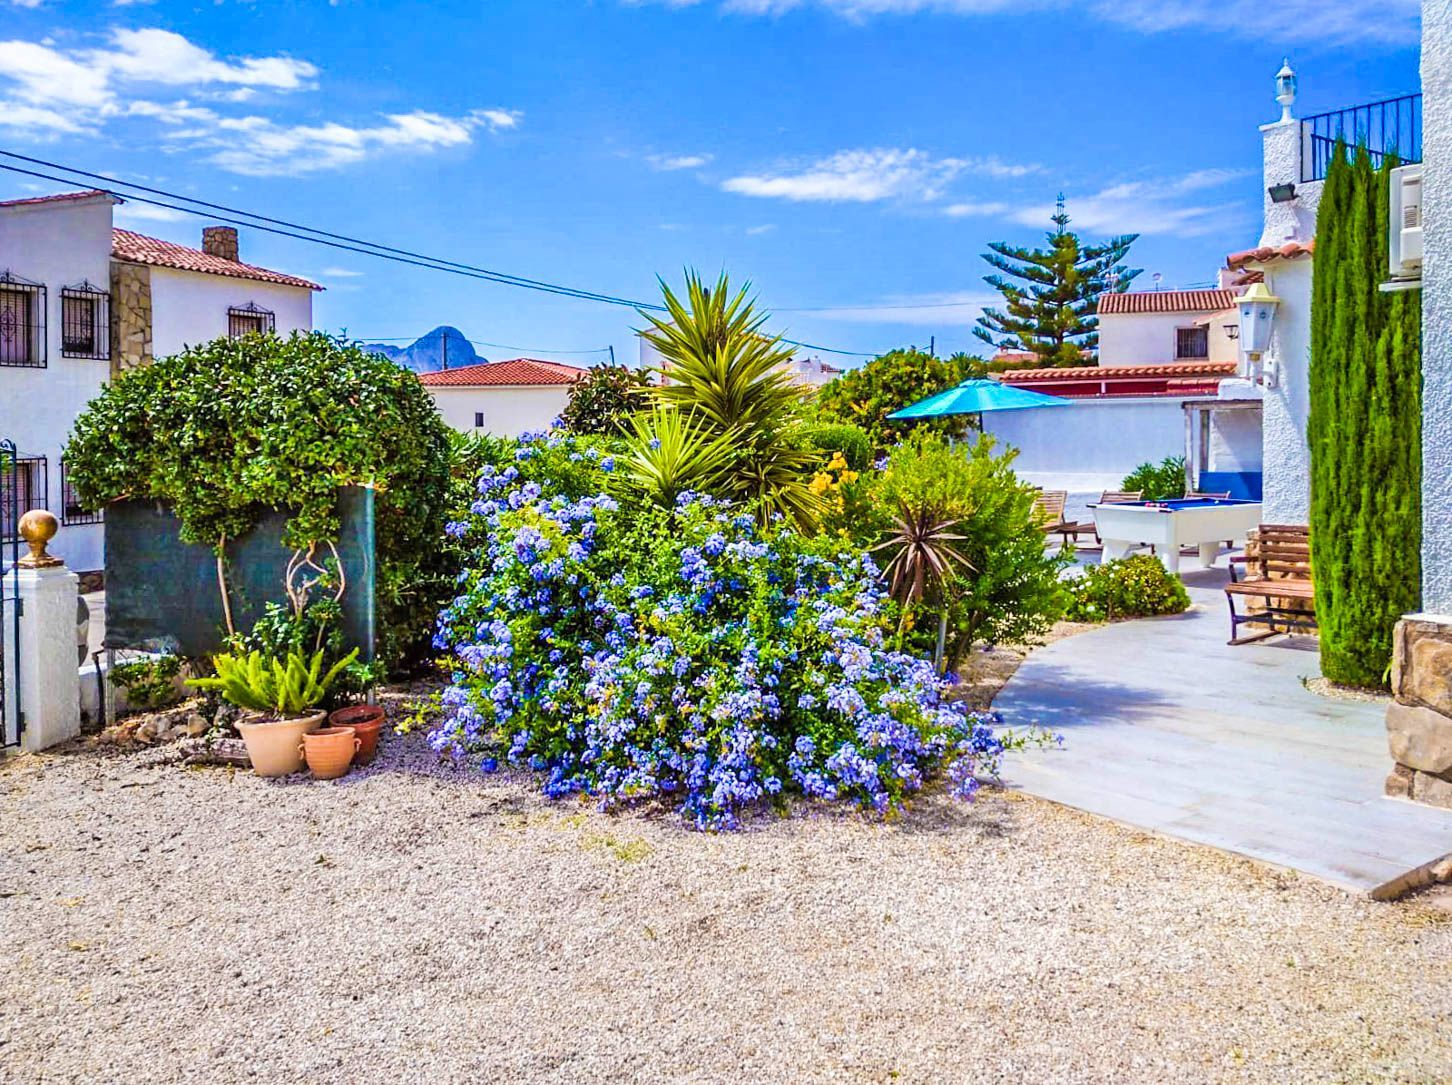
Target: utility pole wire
x=346, y=243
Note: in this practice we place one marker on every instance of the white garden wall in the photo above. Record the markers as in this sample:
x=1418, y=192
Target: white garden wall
x=1287, y=455
x=1092, y=443
x=1437, y=308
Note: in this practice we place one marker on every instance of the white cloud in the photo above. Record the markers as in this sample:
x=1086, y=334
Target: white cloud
x=45, y=90
x=971, y=209
x=670, y=162
x=31, y=4
x=142, y=212
x=867, y=176
x=1149, y=207
x=341, y=273
x=926, y=310
x=757, y=231
x=1393, y=22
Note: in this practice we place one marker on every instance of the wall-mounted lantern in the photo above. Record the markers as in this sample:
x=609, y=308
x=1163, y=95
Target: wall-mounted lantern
x=1257, y=317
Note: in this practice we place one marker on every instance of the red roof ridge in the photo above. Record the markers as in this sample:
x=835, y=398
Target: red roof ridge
x=1119, y=372
x=1291, y=250
x=514, y=371
x=59, y=197
x=1166, y=301
x=143, y=249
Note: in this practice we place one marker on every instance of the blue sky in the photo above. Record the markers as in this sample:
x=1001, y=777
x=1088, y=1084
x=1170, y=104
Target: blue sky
x=847, y=155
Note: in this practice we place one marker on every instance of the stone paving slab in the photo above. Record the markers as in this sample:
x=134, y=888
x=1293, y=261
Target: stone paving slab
x=1168, y=728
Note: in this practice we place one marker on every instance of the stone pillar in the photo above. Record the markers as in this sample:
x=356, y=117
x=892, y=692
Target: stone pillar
x=46, y=672
x=1437, y=306
x=1419, y=722
x=130, y=316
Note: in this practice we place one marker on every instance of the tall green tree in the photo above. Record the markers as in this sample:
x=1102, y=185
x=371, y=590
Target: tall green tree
x=1051, y=295
x=867, y=395
x=1364, y=430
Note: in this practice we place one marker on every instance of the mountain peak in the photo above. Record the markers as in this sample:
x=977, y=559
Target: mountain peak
x=443, y=347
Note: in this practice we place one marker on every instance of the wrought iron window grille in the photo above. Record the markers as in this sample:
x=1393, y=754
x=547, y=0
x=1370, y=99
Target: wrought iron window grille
x=246, y=319
x=22, y=322
x=85, y=321
x=22, y=488
x=72, y=511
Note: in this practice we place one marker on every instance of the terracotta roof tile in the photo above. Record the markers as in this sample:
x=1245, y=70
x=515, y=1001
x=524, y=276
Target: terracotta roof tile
x=59, y=197
x=516, y=371
x=1095, y=373
x=1291, y=250
x=1166, y=301
x=140, y=249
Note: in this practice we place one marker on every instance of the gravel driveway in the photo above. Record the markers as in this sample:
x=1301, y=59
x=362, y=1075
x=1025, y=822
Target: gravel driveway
x=413, y=923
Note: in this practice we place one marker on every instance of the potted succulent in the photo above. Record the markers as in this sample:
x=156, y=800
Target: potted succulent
x=282, y=697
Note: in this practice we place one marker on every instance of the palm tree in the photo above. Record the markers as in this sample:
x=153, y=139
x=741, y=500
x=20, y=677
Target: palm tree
x=924, y=556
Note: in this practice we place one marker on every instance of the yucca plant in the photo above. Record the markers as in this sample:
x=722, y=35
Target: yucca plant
x=670, y=453
x=283, y=688
x=924, y=556
x=721, y=367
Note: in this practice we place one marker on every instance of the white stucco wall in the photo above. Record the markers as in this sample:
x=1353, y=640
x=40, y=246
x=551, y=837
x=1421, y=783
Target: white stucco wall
x=188, y=307
x=57, y=244
x=1149, y=338
x=1286, y=454
x=509, y=410
x=1437, y=307
x=1092, y=443
x=1295, y=219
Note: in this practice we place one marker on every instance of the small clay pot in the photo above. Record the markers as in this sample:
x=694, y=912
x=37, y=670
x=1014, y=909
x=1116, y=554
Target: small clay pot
x=329, y=751
x=365, y=719
x=273, y=745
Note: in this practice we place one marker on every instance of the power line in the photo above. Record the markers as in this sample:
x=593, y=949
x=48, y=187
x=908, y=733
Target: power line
x=343, y=242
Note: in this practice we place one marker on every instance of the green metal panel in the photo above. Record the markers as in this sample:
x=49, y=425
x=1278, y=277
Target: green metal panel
x=162, y=594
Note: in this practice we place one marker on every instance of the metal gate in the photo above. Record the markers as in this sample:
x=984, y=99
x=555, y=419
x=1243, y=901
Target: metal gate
x=12, y=722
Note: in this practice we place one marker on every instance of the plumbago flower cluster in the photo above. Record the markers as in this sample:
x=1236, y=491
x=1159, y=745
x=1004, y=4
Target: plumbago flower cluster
x=635, y=653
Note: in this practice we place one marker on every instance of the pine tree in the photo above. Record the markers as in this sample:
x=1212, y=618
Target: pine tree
x=1054, y=314
x=1364, y=428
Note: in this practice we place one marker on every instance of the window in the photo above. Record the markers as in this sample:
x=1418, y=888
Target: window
x=85, y=322
x=72, y=511
x=247, y=319
x=478, y=419
x=20, y=491
x=22, y=322
x=1192, y=342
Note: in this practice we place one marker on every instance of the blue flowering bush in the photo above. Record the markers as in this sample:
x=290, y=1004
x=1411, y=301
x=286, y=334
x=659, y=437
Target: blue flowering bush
x=636, y=653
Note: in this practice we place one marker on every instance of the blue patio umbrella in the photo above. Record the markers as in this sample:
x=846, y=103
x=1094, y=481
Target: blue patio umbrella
x=977, y=397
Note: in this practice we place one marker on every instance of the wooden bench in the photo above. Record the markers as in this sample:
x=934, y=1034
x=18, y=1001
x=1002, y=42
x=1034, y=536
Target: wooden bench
x=1049, y=512
x=1276, y=582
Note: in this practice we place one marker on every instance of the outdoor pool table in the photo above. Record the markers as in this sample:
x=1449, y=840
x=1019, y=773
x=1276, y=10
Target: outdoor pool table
x=1169, y=525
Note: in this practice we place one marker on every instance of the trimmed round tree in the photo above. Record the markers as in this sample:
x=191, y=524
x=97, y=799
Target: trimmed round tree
x=227, y=429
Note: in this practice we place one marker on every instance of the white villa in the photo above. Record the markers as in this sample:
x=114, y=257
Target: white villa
x=81, y=300
x=505, y=399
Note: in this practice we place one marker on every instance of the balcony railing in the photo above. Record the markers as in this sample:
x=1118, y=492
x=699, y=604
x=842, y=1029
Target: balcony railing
x=1390, y=127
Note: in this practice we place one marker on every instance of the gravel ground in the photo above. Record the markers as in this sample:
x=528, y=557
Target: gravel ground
x=414, y=923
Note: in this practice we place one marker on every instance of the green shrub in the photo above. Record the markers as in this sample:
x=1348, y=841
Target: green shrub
x=290, y=686
x=1134, y=587
x=225, y=430
x=602, y=402
x=148, y=683
x=1007, y=587
x=864, y=397
x=1163, y=481
x=851, y=441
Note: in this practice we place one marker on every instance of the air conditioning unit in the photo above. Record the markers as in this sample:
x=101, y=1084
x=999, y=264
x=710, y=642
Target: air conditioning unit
x=1406, y=227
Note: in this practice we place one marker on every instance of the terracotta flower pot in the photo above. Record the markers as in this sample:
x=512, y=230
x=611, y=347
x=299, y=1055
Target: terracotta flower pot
x=329, y=751
x=367, y=720
x=272, y=745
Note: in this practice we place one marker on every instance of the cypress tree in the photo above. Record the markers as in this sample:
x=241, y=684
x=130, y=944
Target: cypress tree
x=1364, y=428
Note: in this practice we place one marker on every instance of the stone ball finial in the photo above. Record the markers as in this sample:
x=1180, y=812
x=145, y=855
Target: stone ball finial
x=37, y=528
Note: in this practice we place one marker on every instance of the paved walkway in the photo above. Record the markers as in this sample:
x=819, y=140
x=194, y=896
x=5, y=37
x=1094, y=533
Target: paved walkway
x=1168, y=728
